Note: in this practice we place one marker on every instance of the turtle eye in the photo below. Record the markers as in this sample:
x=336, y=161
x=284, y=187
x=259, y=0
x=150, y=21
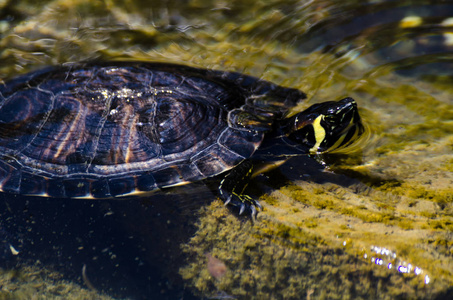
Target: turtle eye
x=329, y=121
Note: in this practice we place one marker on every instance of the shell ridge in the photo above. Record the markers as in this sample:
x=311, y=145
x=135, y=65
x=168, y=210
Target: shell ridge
x=44, y=121
x=98, y=131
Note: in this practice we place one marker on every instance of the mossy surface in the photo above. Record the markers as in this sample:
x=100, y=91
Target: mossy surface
x=37, y=282
x=279, y=260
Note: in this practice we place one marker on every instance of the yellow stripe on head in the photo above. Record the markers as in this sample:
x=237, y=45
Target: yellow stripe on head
x=320, y=133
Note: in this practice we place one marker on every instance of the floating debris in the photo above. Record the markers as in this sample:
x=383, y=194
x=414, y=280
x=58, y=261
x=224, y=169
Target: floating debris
x=216, y=267
x=13, y=250
x=86, y=280
x=411, y=21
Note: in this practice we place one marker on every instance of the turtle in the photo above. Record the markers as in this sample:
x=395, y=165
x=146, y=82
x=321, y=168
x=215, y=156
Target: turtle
x=118, y=129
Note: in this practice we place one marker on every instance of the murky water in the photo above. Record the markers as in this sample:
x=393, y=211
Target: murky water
x=377, y=222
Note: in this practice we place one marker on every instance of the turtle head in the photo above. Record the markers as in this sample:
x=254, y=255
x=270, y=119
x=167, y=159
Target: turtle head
x=326, y=126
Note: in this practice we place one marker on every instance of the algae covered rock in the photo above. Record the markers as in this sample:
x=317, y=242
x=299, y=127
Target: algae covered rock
x=273, y=259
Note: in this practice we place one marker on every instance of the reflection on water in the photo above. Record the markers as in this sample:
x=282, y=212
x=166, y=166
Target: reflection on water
x=385, y=257
x=374, y=223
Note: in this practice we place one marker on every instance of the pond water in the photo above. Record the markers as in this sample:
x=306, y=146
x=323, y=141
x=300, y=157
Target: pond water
x=372, y=222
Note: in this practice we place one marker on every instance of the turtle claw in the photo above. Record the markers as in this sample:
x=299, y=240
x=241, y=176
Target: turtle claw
x=241, y=211
x=231, y=189
x=244, y=203
x=257, y=204
x=254, y=211
x=227, y=201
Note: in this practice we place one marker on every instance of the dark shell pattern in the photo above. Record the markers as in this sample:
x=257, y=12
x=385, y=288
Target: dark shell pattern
x=115, y=129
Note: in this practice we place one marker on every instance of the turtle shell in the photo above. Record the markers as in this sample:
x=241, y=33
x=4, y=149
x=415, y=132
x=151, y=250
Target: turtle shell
x=115, y=129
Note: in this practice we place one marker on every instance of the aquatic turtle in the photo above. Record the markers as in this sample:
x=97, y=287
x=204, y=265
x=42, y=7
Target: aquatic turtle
x=125, y=128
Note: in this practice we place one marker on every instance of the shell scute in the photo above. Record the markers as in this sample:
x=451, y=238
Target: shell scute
x=10, y=178
x=55, y=188
x=100, y=188
x=76, y=188
x=241, y=142
x=117, y=81
x=163, y=80
x=187, y=124
x=175, y=174
x=123, y=185
x=146, y=182
x=32, y=184
x=21, y=117
x=216, y=159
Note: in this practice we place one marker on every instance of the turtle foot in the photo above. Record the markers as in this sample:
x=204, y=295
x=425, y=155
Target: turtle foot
x=245, y=203
x=232, y=187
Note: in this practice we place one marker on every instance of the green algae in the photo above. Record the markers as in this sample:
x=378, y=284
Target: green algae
x=401, y=215
x=443, y=198
x=37, y=282
x=333, y=201
x=449, y=165
x=262, y=264
x=407, y=216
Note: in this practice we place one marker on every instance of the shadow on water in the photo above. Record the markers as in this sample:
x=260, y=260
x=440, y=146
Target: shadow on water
x=318, y=169
x=129, y=248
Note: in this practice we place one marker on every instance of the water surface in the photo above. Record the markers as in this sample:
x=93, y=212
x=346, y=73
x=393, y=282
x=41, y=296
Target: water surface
x=373, y=222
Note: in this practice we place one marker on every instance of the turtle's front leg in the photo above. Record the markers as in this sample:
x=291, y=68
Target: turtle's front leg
x=232, y=188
